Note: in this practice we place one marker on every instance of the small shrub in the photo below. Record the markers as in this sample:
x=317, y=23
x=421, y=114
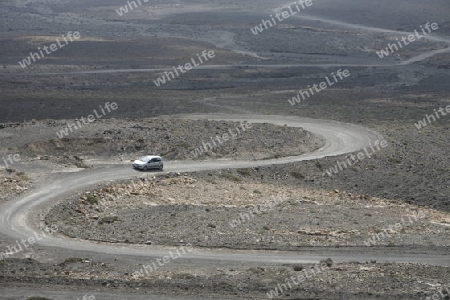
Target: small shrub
x=394, y=160
x=71, y=260
x=185, y=276
x=255, y=270
x=328, y=262
x=108, y=220
x=244, y=172
x=231, y=177
x=81, y=165
x=298, y=268
x=298, y=175
x=91, y=199
x=319, y=165
x=185, y=145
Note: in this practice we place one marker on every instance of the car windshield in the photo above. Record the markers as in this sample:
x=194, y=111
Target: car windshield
x=144, y=158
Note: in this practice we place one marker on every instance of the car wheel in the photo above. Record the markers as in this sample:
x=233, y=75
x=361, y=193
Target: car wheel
x=145, y=168
x=161, y=167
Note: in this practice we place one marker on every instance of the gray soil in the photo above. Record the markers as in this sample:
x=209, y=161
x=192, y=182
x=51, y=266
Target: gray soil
x=355, y=281
x=172, y=138
x=226, y=209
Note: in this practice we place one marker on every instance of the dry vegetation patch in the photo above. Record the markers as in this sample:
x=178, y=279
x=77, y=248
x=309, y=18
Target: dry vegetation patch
x=223, y=212
x=13, y=183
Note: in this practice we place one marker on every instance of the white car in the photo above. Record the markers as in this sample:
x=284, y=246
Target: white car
x=149, y=162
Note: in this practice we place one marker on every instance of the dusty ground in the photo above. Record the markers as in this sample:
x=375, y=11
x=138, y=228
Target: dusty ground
x=317, y=217
x=339, y=281
x=171, y=138
x=13, y=184
x=226, y=210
